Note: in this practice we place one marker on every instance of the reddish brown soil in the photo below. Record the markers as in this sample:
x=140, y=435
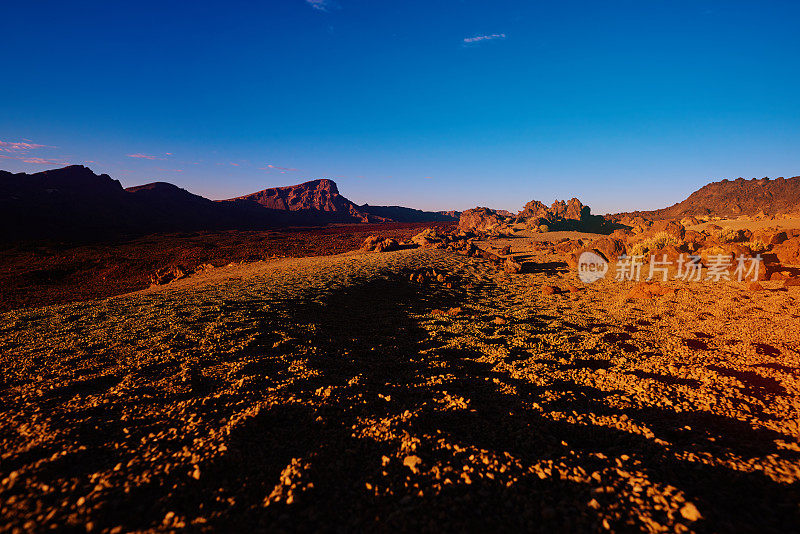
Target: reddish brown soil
x=57, y=273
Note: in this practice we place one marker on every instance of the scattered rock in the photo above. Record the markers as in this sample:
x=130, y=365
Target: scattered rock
x=550, y=290
x=690, y=512
x=168, y=274
x=512, y=267
x=412, y=461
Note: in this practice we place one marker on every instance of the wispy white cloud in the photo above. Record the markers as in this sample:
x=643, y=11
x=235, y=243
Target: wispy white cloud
x=479, y=38
x=38, y=161
x=139, y=155
x=271, y=167
x=13, y=146
x=319, y=5
x=18, y=150
x=144, y=156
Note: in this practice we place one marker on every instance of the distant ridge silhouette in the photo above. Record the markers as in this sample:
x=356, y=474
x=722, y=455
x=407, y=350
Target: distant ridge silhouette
x=74, y=202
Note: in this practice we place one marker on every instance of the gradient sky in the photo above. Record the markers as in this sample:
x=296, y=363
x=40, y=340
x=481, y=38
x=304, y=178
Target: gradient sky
x=429, y=104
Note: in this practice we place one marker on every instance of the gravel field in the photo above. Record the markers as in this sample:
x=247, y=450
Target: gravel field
x=336, y=394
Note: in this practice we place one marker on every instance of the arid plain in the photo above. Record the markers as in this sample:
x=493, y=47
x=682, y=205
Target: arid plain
x=411, y=388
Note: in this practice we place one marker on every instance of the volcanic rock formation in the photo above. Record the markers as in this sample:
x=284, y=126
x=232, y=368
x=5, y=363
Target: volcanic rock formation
x=734, y=198
x=314, y=196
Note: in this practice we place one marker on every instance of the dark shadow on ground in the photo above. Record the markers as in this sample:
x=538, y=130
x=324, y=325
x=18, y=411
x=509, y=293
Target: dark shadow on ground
x=374, y=390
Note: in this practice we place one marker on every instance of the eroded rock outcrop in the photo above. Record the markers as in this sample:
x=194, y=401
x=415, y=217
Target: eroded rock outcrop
x=481, y=220
x=317, y=195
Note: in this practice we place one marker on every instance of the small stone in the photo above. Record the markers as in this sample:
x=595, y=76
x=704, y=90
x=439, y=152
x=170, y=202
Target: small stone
x=690, y=512
x=512, y=267
x=550, y=290
x=755, y=286
x=412, y=461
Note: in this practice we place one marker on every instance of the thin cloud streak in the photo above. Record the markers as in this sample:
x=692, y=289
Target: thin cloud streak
x=12, y=146
x=144, y=156
x=271, y=167
x=479, y=38
x=319, y=5
x=38, y=161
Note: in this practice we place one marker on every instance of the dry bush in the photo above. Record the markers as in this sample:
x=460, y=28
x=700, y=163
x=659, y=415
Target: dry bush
x=729, y=235
x=757, y=246
x=651, y=244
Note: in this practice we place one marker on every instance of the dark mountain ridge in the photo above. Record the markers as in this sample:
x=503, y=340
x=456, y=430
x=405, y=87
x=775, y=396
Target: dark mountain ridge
x=401, y=214
x=75, y=203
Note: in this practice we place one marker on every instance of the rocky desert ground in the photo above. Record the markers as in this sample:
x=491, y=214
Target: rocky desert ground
x=39, y=273
x=418, y=389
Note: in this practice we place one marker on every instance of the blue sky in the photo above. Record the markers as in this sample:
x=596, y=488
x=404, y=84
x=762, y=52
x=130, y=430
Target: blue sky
x=435, y=104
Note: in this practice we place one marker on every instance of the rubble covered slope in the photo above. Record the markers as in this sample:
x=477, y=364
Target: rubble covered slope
x=416, y=389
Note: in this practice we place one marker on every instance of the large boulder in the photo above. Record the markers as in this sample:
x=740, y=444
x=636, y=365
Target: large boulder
x=611, y=248
x=771, y=236
x=694, y=239
x=429, y=238
x=673, y=228
x=376, y=243
x=788, y=252
x=777, y=238
x=480, y=220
